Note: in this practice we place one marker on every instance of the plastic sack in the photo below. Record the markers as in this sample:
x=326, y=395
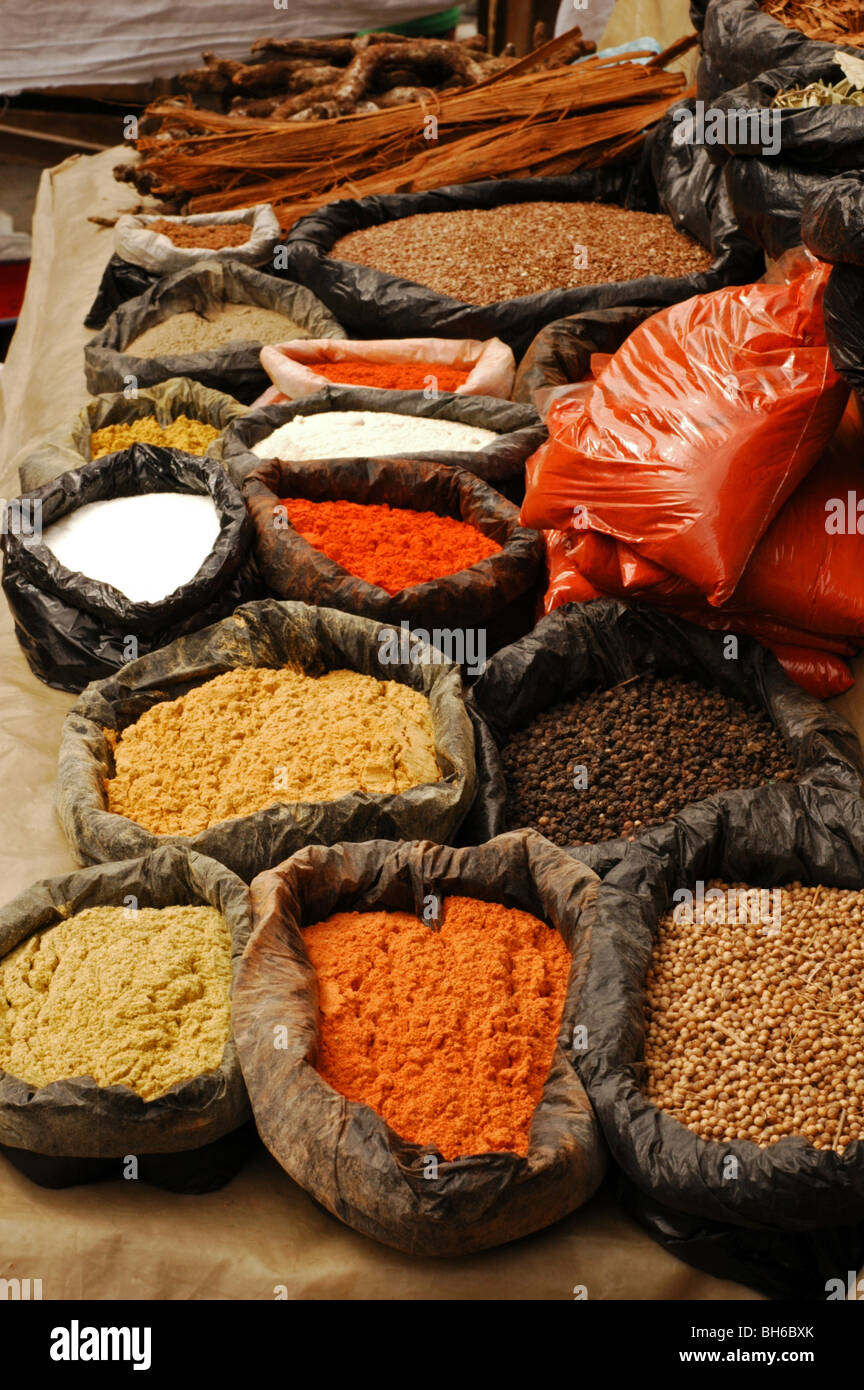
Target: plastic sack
x=698, y=429
x=208, y=284
x=265, y=634
x=678, y=180
x=120, y=281
x=821, y=674
x=496, y=595
x=136, y=243
x=825, y=139
x=561, y=353
x=832, y=222
x=69, y=447
x=74, y=629
x=769, y=197
x=75, y=1130
x=501, y=463
x=584, y=646
x=342, y=1152
x=490, y=365
x=739, y=41
x=765, y=837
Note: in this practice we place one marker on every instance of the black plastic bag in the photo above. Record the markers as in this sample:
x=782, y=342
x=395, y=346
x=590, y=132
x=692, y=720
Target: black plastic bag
x=121, y=280
x=195, y=1136
x=823, y=139
x=582, y=646
x=497, y=595
x=676, y=179
x=764, y=837
x=73, y=629
x=739, y=41
x=235, y=368
x=501, y=463
x=562, y=351
x=832, y=222
x=69, y=446
x=769, y=198
x=342, y=1152
x=269, y=634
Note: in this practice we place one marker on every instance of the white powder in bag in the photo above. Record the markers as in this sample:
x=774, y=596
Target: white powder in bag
x=367, y=434
x=146, y=546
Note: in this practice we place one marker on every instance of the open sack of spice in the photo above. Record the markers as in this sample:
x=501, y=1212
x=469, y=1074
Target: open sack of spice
x=488, y=437
x=117, y=1055
x=282, y=726
x=503, y=257
x=162, y=243
x=697, y=430
x=176, y=414
x=122, y=555
x=722, y=1010
x=741, y=38
x=208, y=322
x=460, y=365
x=455, y=1121
x=609, y=718
x=398, y=540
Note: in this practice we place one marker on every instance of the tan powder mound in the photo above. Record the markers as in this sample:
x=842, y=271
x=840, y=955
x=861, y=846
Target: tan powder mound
x=229, y=323
x=133, y=998
x=257, y=737
x=448, y=1035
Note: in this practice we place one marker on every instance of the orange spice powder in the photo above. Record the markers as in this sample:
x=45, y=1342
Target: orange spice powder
x=448, y=1035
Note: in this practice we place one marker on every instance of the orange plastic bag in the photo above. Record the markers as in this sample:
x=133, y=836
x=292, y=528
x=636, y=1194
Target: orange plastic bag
x=698, y=429
x=819, y=673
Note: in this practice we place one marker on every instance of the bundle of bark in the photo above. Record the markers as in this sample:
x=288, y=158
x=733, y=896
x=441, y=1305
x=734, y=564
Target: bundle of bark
x=318, y=79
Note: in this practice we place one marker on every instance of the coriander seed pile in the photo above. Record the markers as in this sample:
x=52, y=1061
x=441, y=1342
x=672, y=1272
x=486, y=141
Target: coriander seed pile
x=756, y=1031
x=614, y=761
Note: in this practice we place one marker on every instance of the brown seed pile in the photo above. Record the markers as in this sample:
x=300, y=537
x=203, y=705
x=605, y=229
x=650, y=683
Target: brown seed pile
x=617, y=760
x=481, y=255
x=256, y=737
x=192, y=436
x=211, y=235
x=223, y=324
x=756, y=1031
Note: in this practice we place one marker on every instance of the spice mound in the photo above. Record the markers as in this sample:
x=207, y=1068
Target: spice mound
x=212, y=235
x=256, y=737
x=228, y=323
x=616, y=760
x=192, y=436
x=389, y=546
x=393, y=376
x=828, y=20
x=449, y=1035
x=366, y=434
x=145, y=546
x=754, y=1007
x=132, y=998
x=483, y=255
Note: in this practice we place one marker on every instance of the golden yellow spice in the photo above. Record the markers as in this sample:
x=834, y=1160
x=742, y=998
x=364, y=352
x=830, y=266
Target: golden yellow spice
x=755, y=1028
x=254, y=737
x=192, y=436
x=133, y=998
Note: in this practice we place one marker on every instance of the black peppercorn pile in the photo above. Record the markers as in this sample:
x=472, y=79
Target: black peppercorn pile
x=649, y=747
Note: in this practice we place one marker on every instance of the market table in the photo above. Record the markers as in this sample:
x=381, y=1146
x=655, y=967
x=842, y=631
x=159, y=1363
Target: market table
x=261, y=1237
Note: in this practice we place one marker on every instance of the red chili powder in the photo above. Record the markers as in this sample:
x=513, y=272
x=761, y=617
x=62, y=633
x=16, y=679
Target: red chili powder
x=392, y=547
x=393, y=376
x=449, y=1035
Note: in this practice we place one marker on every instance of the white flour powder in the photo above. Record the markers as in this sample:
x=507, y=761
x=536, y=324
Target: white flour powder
x=145, y=546
x=366, y=434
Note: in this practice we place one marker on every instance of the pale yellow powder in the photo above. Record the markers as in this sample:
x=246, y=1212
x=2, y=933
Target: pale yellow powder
x=134, y=998
x=254, y=737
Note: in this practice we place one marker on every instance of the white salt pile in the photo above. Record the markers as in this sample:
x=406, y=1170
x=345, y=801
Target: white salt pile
x=367, y=433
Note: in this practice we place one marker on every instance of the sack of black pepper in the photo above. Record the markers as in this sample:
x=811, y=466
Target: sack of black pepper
x=495, y=598
x=679, y=180
x=69, y=446
x=758, y=840
x=343, y=1153
x=501, y=462
x=195, y=1136
x=605, y=644
x=562, y=351
x=74, y=629
x=275, y=635
x=738, y=40
x=109, y=365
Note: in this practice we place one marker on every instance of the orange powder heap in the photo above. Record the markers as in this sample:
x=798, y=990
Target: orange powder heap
x=393, y=376
x=448, y=1035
